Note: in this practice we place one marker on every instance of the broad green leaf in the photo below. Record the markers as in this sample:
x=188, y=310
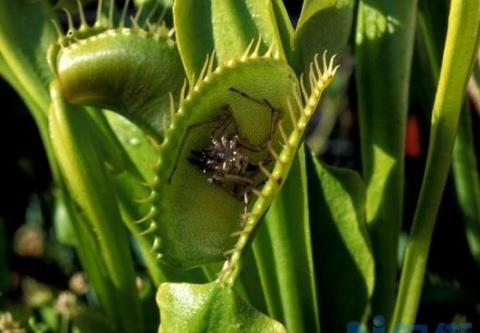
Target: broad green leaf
x=283, y=252
x=249, y=284
x=324, y=25
x=226, y=26
x=212, y=308
x=385, y=30
x=342, y=247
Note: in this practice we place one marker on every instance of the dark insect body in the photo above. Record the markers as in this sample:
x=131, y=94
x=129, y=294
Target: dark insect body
x=225, y=160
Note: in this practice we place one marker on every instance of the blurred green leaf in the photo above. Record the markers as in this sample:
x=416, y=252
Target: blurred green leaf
x=70, y=5
x=283, y=252
x=88, y=320
x=189, y=308
x=384, y=46
x=467, y=181
x=228, y=26
x=154, y=10
x=346, y=266
x=324, y=25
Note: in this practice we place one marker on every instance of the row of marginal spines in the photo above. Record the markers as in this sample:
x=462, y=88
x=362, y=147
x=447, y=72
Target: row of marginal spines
x=105, y=15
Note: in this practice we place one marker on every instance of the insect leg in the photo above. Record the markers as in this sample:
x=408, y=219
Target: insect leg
x=225, y=120
x=184, y=138
x=275, y=116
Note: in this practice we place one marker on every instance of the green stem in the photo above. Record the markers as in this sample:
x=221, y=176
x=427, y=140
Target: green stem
x=464, y=163
x=89, y=256
x=384, y=48
x=87, y=179
x=460, y=47
x=87, y=248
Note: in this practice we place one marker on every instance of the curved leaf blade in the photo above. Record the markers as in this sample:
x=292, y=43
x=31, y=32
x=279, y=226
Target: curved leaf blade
x=337, y=208
x=226, y=26
x=323, y=25
x=198, y=308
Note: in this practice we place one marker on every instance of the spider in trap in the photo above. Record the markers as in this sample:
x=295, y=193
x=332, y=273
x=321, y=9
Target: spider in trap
x=226, y=161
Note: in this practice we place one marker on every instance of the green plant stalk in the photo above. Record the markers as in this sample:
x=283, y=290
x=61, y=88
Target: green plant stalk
x=426, y=33
x=460, y=48
x=464, y=163
x=90, y=260
x=24, y=77
x=384, y=48
x=89, y=256
x=87, y=179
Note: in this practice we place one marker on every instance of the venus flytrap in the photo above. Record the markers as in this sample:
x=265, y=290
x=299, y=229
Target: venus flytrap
x=201, y=112
x=300, y=112
x=230, y=82
x=202, y=156
x=88, y=75
x=300, y=109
